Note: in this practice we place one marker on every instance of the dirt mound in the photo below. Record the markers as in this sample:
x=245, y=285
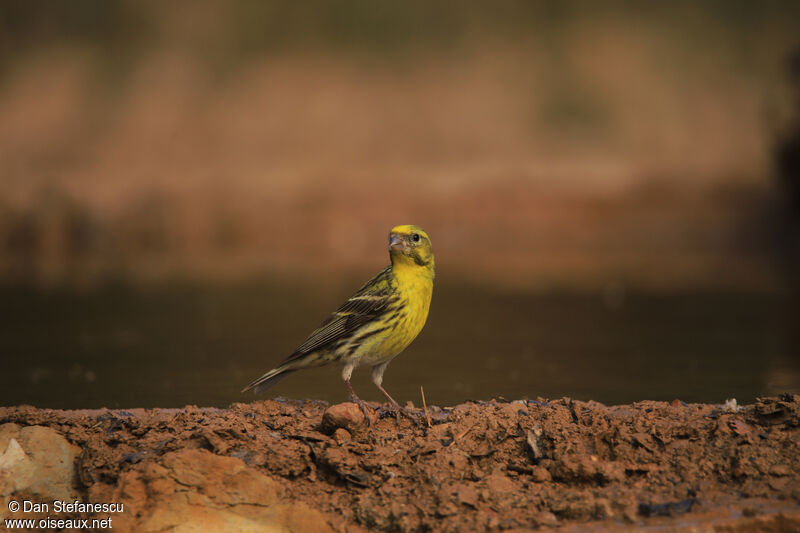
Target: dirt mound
x=476, y=466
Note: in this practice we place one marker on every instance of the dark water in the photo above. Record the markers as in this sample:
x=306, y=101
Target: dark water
x=178, y=345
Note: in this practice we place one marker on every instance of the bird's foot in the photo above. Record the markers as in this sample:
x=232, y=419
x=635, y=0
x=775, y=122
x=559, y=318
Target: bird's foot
x=398, y=409
x=406, y=413
x=368, y=414
x=365, y=408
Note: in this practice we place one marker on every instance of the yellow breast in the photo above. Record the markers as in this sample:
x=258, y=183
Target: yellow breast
x=405, y=321
x=414, y=289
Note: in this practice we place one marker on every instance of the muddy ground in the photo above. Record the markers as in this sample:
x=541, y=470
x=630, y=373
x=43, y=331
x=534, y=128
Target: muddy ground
x=496, y=465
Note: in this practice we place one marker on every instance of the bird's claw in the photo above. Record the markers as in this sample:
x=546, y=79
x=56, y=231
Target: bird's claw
x=408, y=414
x=368, y=414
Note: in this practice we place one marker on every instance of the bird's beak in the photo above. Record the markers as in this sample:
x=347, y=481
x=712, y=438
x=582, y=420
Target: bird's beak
x=396, y=243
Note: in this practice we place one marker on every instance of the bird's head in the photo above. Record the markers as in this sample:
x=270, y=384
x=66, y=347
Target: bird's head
x=410, y=245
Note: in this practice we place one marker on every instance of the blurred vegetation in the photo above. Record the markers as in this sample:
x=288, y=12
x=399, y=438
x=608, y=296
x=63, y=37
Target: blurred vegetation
x=616, y=140
x=115, y=33
x=232, y=32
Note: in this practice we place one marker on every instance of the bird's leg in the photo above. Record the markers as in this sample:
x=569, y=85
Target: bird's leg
x=347, y=372
x=358, y=401
x=377, y=379
x=398, y=409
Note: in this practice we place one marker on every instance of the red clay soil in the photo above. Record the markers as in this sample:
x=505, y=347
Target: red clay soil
x=493, y=465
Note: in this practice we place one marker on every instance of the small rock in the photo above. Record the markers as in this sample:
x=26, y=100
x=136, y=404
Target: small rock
x=541, y=474
x=780, y=470
x=546, y=519
x=778, y=484
x=341, y=435
x=346, y=415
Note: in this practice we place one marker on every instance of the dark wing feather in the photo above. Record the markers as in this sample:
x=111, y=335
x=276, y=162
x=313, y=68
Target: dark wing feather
x=367, y=304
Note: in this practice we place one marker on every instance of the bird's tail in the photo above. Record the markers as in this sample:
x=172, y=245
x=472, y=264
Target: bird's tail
x=268, y=380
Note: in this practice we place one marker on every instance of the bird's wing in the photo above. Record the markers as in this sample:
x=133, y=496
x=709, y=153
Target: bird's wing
x=367, y=304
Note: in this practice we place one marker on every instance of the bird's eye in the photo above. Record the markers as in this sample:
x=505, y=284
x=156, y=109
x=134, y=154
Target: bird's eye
x=415, y=237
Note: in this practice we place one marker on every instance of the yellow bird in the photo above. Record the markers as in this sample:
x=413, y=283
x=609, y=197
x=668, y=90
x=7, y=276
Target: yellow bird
x=377, y=323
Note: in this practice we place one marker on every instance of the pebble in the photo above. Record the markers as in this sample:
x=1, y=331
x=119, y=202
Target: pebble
x=343, y=415
x=541, y=474
x=546, y=518
x=341, y=435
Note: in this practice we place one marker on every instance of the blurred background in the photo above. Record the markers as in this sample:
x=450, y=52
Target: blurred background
x=187, y=189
